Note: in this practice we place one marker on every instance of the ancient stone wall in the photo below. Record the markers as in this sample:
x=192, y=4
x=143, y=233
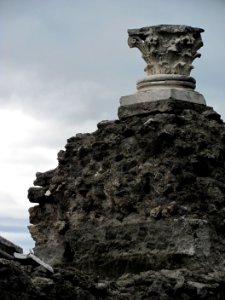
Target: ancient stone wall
x=142, y=196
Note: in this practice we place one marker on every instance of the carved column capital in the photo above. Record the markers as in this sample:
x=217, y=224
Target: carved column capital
x=167, y=49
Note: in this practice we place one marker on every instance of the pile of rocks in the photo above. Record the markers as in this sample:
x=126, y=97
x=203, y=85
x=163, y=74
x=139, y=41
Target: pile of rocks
x=27, y=282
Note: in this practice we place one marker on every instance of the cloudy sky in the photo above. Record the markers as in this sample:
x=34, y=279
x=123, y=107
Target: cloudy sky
x=63, y=67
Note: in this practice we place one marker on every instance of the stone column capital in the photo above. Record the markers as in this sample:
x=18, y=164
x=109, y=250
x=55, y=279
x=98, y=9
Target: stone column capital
x=167, y=49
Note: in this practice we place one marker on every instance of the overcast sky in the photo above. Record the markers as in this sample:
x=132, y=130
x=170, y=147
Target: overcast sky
x=63, y=67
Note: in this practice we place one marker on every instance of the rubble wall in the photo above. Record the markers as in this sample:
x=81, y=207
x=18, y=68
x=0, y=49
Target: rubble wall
x=144, y=192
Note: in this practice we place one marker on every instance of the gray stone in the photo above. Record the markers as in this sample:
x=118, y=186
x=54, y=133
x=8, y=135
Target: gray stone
x=154, y=107
x=7, y=248
x=163, y=94
x=166, y=81
x=167, y=49
x=39, y=195
x=4, y=254
x=32, y=260
x=140, y=208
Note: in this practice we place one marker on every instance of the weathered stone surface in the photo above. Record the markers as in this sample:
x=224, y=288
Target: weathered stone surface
x=19, y=282
x=164, y=94
x=29, y=283
x=14, y=282
x=7, y=248
x=166, y=81
x=140, y=202
x=167, y=106
x=39, y=195
x=43, y=178
x=136, y=211
x=167, y=49
x=31, y=259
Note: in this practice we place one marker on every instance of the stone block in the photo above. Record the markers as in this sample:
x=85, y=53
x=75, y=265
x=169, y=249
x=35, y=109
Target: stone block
x=154, y=107
x=162, y=94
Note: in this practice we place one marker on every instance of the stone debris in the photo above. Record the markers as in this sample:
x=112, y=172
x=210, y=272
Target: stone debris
x=8, y=248
x=32, y=259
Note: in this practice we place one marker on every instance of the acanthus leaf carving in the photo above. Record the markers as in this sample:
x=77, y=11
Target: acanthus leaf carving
x=167, y=49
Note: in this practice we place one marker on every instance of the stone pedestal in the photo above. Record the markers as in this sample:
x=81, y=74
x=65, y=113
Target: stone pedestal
x=169, y=51
x=163, y=94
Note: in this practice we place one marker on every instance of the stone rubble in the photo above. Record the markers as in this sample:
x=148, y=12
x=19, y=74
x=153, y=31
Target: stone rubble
x=8, y=248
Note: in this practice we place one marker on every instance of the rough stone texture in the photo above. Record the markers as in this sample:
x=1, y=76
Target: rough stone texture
x=157, y=107
x=7, y=248
x=14, y=282
x=138, y=205
x=29, y=283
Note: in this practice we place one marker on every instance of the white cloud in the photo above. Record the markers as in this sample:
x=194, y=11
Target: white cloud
x=18, y=162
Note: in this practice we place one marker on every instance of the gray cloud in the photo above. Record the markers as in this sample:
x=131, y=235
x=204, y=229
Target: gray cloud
x=67, y=102
x=82, y=42
x=67, y=48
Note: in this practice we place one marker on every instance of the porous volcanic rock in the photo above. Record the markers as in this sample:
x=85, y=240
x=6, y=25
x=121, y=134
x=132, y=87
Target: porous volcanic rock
x=139, y=204
x=26, y=282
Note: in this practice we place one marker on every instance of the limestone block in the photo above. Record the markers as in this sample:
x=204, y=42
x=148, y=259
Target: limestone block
x=163, y=94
